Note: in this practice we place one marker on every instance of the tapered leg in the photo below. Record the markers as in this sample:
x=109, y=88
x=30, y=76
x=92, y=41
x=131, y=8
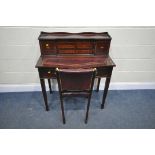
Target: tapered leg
x=87, y=112
x=62, y=110
x=42, y=82
x=50, y=88
x=98, y=84
x=107, y=82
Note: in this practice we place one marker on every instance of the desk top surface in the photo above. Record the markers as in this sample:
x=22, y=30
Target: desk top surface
x=74, y=61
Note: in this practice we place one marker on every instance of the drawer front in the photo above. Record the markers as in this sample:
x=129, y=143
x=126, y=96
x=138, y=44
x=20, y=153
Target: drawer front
x=102, y=47
x=66, y=51
x=84, y=45
x=48, y=47
x=65, y=45
x=104, y=72
x=89, y=51
x=75, y=51
x=47, y=73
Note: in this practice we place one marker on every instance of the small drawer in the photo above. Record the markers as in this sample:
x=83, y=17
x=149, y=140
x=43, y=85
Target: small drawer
x=102, y=47
x=84, y=45
x=49, y=52
x=89, y=51
x=104, y=72
x=47, y=73
x=65, y=45
x=66, y=51
x=47, y=47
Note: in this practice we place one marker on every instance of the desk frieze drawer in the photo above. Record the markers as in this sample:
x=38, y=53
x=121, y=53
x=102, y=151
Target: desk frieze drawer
x=47, y=73
x=104, y=72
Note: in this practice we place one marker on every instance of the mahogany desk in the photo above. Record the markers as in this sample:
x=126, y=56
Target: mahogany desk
x=74, y=50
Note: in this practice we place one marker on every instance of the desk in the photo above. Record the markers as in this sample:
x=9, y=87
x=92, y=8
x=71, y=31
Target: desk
x=74, y=50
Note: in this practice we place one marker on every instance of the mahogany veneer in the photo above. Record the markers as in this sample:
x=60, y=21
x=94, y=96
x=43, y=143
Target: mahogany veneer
x=74, y=50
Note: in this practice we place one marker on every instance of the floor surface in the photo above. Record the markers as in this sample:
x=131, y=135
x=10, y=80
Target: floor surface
x=124, y=109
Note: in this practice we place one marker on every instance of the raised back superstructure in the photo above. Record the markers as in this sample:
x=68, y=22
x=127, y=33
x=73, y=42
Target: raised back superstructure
x=84, y=43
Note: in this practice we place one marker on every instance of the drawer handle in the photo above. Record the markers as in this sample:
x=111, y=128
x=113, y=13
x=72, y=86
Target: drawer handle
x=47, y=45
x=49, y=72
x=102, y=47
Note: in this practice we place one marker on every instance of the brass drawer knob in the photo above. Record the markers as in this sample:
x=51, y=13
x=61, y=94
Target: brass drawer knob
x=102, y=47
x=49, y=72
x=47, y=45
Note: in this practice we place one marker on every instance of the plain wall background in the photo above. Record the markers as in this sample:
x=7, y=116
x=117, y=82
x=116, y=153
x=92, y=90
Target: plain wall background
x=132, y=49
